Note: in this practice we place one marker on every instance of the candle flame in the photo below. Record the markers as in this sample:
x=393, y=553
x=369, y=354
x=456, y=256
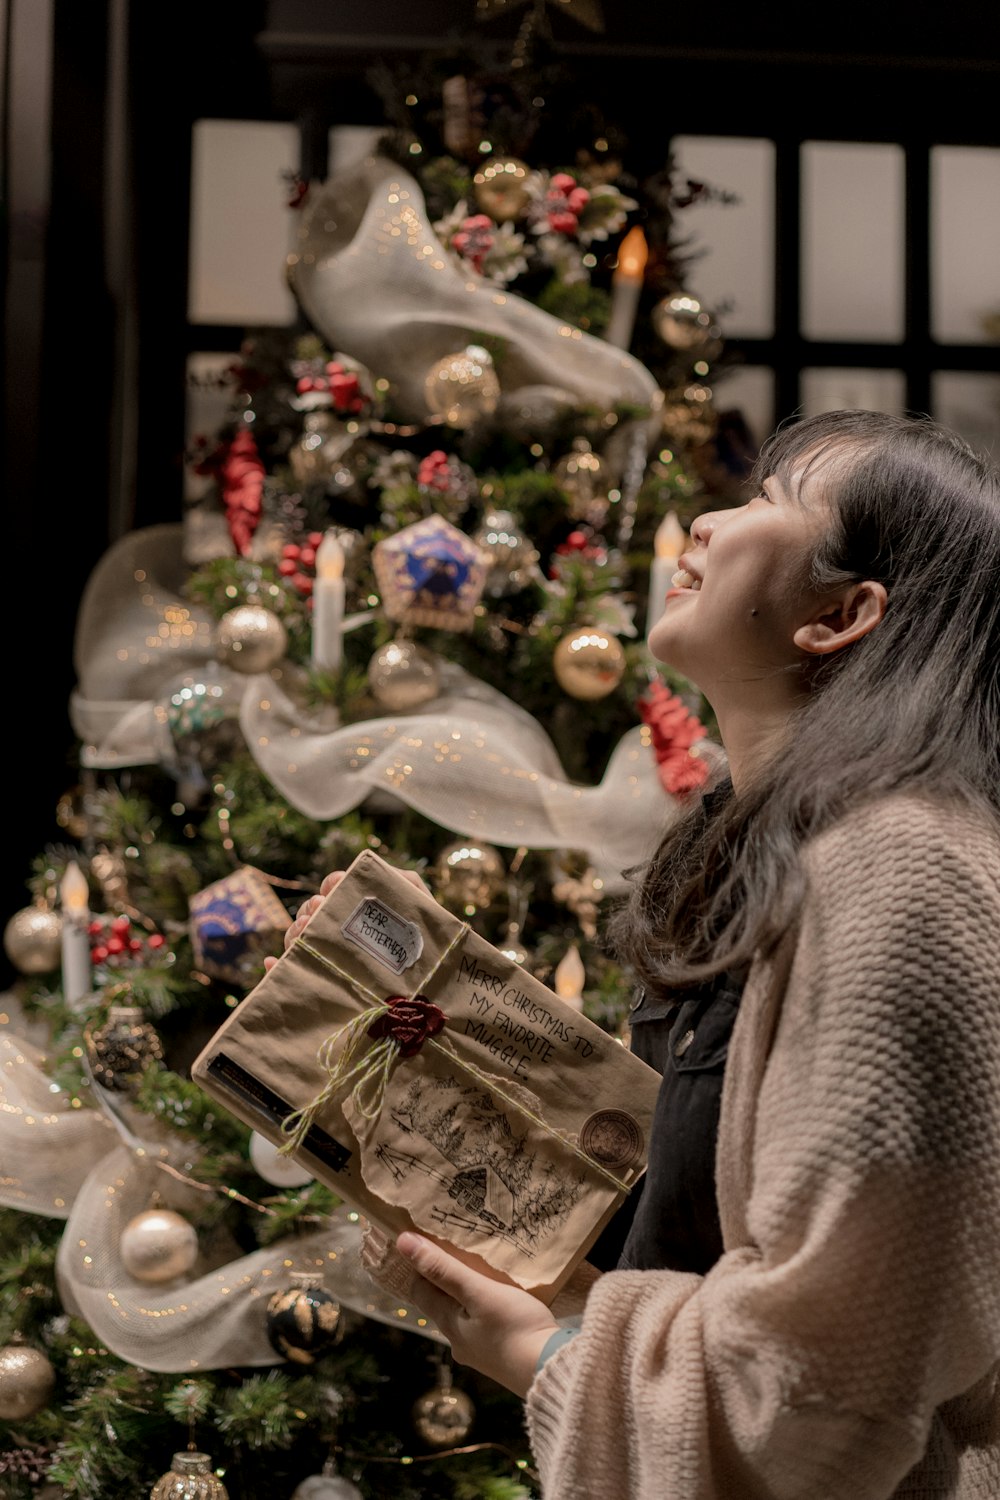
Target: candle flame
x=670, y=538
x=73, y=889
x=633, y=253
x=570, y=974
x=329, y=557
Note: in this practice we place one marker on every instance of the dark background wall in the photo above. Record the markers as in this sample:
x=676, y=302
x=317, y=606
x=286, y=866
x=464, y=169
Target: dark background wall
x=97, y=105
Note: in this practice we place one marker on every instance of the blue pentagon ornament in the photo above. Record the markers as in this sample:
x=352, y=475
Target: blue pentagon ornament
x=431, y=574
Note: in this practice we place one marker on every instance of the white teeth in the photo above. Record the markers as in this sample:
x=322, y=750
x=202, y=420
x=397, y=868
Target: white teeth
x=682, y=579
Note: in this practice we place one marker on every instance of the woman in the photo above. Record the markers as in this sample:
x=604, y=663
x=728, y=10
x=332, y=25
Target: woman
x=831, y=1327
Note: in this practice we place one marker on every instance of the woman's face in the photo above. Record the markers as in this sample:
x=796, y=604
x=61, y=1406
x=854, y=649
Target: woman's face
x=742, y=589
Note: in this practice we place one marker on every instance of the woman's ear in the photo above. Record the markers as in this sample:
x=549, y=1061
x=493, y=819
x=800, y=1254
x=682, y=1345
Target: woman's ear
x=846, y=618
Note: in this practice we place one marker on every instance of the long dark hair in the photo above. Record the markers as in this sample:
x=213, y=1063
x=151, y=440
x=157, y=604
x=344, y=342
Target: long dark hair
x=913, y=705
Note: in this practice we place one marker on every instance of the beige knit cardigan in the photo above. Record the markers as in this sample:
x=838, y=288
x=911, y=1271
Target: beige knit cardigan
x=846, y=1346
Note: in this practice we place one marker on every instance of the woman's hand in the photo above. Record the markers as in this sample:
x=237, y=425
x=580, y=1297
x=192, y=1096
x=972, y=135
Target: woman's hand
x=499, y=1330
x=312, y=904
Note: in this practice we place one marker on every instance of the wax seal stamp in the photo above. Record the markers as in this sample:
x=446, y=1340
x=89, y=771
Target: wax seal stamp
x=612, y=1138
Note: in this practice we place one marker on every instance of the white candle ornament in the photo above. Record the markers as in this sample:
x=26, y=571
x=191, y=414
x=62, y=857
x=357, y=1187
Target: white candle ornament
x=569, y=977
x=626, y=288
x=279, y=1171
x=328, y=604
x=668, y=544
x=75, y=937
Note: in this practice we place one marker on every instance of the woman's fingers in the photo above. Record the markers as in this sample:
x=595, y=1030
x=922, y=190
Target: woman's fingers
x=311, y=905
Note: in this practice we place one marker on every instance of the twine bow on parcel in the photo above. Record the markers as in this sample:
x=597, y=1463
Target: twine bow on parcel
x=399, y=1025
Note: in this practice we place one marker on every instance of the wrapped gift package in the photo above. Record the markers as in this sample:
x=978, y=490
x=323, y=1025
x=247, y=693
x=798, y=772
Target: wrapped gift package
x=435, y=1085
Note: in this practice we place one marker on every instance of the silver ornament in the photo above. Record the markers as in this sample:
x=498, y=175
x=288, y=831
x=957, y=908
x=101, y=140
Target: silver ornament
x=158, y=1246
x=462, y=387
x=683, y=323
x=508, y=551
x=468, y=875
x=403, y=675
x=32, y=940
x=27, y=1381
x=190, y=1478
x=326, y=1486
x=251, y=638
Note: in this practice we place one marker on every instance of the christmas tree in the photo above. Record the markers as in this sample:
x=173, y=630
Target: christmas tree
x=404, y=610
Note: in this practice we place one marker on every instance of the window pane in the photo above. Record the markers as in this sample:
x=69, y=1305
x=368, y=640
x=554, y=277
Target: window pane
x=734, y=277
x=970, y=403
x=841, y=390
x=852, y=242
x=241, y=225
x=965, y=230
x=747, y=390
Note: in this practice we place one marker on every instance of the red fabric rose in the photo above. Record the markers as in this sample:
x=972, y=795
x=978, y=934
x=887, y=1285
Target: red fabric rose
x=674, y=730
x=241, y=483
x=410, y=1020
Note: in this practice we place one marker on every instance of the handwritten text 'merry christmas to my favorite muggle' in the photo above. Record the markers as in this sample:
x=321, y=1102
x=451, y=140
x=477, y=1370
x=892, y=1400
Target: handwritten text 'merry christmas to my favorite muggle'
x=513, y=1027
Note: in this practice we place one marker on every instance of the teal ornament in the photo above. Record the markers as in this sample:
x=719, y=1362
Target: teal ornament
x=194, y=707
x=431, y=574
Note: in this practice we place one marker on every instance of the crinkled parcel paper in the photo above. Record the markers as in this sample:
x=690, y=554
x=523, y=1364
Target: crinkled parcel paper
x=435, y=1085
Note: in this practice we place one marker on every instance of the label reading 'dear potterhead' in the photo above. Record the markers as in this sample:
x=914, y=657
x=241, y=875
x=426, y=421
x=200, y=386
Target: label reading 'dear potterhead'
x=384, y=934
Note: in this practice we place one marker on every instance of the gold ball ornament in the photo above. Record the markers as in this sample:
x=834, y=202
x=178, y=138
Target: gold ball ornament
x=32, y=939
x=158, y=1246
x=303, y=1321
x=589, y=663
x=443, y=1417
x=468, y=875
x=27, y=1381
x=190, y=1478
x=403, y=675
x=502, y=187
x=584, y=478
x=684, y=324
x=120, y=1051
x=462, y=387
x=251, y=639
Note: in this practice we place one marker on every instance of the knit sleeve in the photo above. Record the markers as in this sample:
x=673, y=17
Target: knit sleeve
x=865, y=1293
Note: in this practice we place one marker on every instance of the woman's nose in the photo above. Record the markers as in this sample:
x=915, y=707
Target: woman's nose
x=703, y=526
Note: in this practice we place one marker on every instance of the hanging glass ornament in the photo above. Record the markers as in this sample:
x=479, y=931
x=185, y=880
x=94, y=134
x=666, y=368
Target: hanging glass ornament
x=502, y=187
x=190, y=1478
x=27, y=1380
x=462, y=387
x=158, y=1246
x=468, y=875
x=585, y=479
x=32, y=939
x=403, y=676
x=251, y=638
x=325, y=440
x=443, y=1417
x=684, y=324
x=430, y=574
x=122, y=1048
x=510, y=554
x=303, y=1321
x=589, y=663
x=330, y=1485
x=689, y=417
x=278, y=1170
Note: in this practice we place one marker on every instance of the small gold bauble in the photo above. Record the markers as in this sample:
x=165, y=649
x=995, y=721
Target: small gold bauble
x=32, y=939
x=462, y=387
x=158, y=1246
x=468, y=874
x=324, y=441
x=589, y=663
x=251, y=638
x=583, y=477
x=684, y=324
x=27, y=1381
x=503, y=187
x=689, y=416
x=190, y=1478
x=444, y=1416
x=403, y=675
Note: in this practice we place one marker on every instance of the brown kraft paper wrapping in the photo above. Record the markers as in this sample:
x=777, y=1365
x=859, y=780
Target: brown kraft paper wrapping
x=511, y=1133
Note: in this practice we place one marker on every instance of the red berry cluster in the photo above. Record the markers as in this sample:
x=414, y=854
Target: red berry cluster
x=581, y=543
x=297, y=558
x=340, y=384
x=114, y=943
x=474, y=239
x=565, y=201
